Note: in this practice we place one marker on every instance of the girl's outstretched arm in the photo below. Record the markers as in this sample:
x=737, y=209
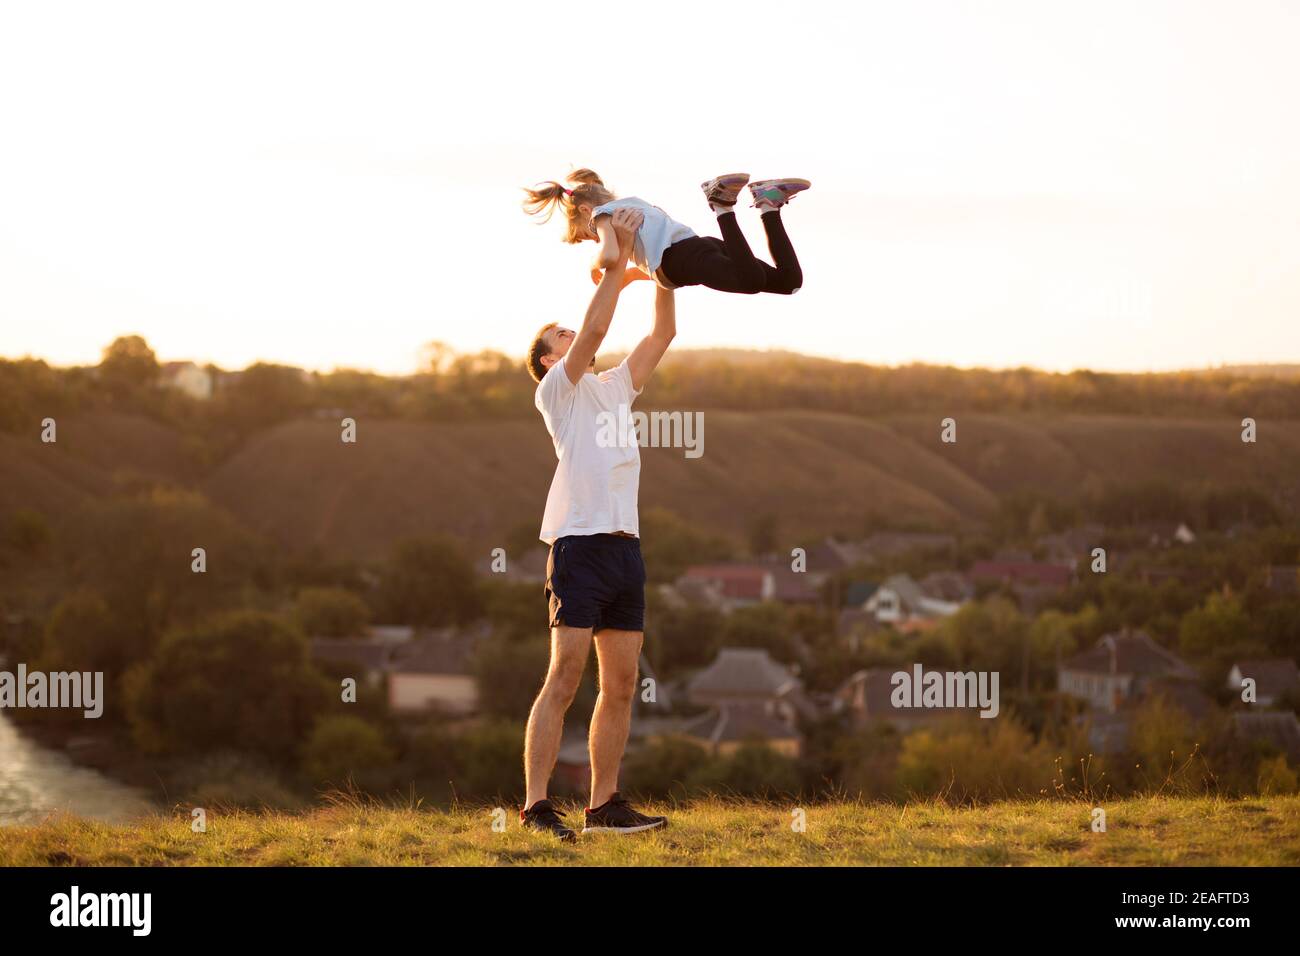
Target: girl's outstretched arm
x=608, y=254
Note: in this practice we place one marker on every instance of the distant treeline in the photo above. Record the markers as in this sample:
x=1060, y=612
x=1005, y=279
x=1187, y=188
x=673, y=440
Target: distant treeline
x=490, y=385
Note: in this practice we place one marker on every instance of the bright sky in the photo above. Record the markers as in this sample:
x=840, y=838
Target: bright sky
x=1105, y=185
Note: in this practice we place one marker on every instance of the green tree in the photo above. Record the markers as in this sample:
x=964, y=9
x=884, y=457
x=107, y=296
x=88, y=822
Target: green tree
x=343, y=748
x=967, y=760
x=509, y=674
x=754, y=770
x=516, y=609
x=680, y=637
x=262, y=395
x=1163, y=741
x=762, y=625
x=490, y=761
x=138, y=553
x=241, y=680
x=331, y=612
x=670, y=544
x=1275, y=777
x=81, y=635
x=1214, y=629
x=991, y=634
x=661, y=768
x=129, y=367
x=429, y=583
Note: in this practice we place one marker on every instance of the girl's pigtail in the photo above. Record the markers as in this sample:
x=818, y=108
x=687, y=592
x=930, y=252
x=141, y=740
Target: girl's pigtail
x=545, y=199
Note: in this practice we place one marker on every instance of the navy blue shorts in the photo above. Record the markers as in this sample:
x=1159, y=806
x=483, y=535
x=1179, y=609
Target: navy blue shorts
x=596, y=581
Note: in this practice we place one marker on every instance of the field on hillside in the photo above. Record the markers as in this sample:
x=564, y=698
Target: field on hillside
x=1158, y=831
x=820, y=472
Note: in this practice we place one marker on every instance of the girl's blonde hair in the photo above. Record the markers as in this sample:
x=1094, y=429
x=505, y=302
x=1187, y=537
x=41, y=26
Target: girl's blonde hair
x=547, y=198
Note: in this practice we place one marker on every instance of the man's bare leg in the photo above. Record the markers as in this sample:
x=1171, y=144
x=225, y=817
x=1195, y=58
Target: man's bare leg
x=569, y=649
x=617, y=653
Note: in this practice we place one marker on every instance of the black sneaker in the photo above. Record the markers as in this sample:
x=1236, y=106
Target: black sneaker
x=545, y=818
x=618, y=816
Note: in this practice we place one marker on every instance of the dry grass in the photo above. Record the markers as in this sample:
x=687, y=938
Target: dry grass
x=1160, y=831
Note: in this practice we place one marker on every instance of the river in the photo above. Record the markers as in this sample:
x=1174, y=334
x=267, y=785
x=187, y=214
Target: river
x=36, y=781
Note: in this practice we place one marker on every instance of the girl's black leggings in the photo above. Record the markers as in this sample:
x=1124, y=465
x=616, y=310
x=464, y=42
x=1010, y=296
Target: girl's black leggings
x=728, y=265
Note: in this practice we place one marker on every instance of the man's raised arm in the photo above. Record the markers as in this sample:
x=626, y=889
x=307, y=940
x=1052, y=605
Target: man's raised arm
x=641, y=363
x=601, y=311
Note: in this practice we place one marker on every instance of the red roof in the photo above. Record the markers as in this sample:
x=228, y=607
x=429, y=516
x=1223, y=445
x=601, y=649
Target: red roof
x=1028, y=571
x=734, y=580
x=747, y=581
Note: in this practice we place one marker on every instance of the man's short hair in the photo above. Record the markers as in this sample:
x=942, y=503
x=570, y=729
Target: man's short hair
x=540, y=348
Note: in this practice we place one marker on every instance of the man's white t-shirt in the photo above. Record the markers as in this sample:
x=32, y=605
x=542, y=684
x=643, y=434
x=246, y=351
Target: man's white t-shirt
x=595, y=486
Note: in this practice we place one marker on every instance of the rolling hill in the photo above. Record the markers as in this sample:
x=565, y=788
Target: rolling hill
x=818, y=472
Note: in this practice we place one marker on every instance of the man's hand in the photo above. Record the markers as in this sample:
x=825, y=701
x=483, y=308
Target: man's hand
x=626, y=223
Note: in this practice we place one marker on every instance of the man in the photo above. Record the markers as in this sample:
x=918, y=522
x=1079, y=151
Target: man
x=595, y=578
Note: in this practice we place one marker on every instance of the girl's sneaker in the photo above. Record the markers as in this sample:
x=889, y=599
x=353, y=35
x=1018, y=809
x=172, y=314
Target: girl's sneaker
x=723, y=191
x=772, y=194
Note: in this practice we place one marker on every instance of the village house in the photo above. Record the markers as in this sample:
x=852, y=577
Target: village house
x=743, y=675
x=1070, y=546
x=1119, y=674
x=187, y=377
x=650, y=720
x=433, y=674
x=893, y=544
x=1276, y=680
x=831, y=555
x=1030, y=581
x=368, y=659
x=867, y=696
x=1166, y=534
x=905, y=605
x=724, y=729
x=729, y=586
x=750, y=698
x=854, y=620
x=1119, y=668
x=951, y=586
x=1274, y=730
x=369, y=652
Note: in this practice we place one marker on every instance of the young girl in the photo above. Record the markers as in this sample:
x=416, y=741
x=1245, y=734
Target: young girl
x=672, y=254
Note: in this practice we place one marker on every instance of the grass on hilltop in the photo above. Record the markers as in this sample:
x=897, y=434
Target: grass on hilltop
x=1149, y=831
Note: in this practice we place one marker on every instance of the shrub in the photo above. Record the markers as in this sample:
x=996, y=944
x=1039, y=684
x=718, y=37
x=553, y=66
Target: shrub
x=238, y=681
x=969, y=761
x=330, y=612
x=1275, y=777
